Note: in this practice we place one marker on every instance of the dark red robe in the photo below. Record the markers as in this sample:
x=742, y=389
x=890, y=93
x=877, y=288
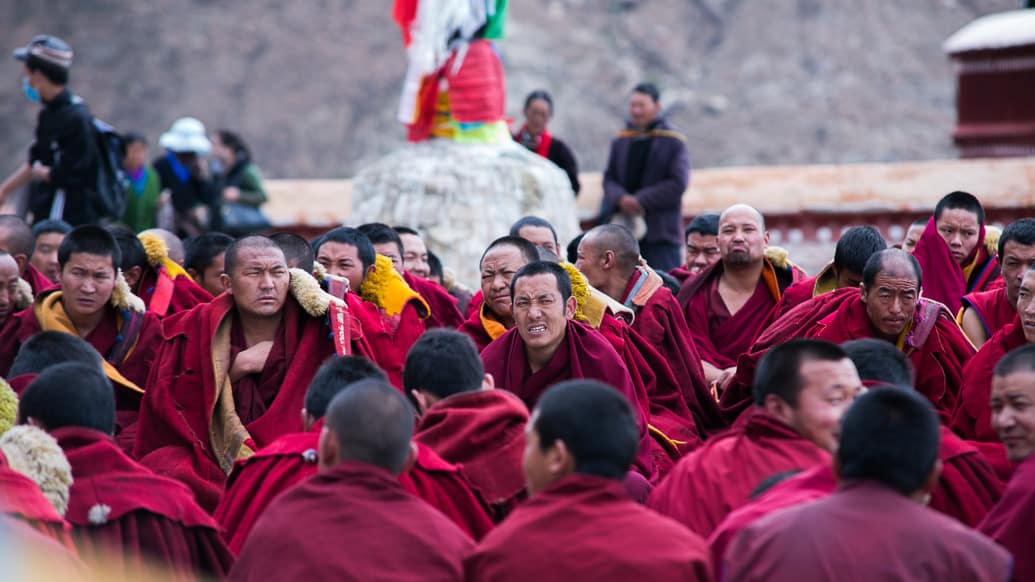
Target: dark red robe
x=972, y=418
x=585, y=527
x=21, y=499
x=584, y=353
x=661, y=322
x=126, y=518
x=36, y=279
x=709, y=483
x=992, y=308
x=1010, y=521
x=352, y=522
x=944, y=278
x=189, y=426
x=165, y=295
x=256, y=481
x=485, y=432
x=680, y=274
x=474, y=328
x=444, y=312
x=388, y=339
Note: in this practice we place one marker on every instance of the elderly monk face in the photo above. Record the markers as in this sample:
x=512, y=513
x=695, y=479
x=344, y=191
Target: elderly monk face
x=393, y=252
x=590, y=262
x=45, y=255
x=959, y=228
x=259, y=282
x=87, y=281
x=702, y=251
x=1016, y=259
x=742, y=240
x=1026, y=305
x=540, y=236
x=342, y=260
x=912, y=235
x=891, y=301
x=1013, y=413
x=829, y=389
x=415, y=255
x=497, y=269
x=8, y=286
x=541, y=315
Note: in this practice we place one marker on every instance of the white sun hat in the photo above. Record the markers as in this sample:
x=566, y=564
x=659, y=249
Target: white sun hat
x=187, y=134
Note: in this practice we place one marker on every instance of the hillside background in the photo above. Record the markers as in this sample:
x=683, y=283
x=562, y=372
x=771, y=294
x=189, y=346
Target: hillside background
x=313, y=84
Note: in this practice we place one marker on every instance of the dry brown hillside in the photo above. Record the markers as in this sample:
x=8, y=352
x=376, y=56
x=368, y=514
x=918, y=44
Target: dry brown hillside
x=313, y=84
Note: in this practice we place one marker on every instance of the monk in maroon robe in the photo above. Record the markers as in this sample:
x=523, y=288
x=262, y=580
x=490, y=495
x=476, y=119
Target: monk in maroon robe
x=608, y=256
x=291, y=459
x=702, y=250
x=973, y=415
x=494, y=316
x=727, y=304
x=953, y=253
x=886, y=467
x=579, y=522
x=986, y=312
x=21, y=499
x=801, y=390
x=14, y=292
x=163, y=285
x=123, y=516
x=356, y=504
x=232, y=374
x=16, y=239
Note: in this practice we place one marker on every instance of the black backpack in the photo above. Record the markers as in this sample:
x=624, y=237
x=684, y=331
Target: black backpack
x=112, y=182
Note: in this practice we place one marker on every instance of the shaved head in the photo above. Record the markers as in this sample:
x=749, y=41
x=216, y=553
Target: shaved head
x=254, y=241
x=620, y=241
x=740, y=211
x=172, y=242
x=370, y=422
x=16, y=237
x=891, y=263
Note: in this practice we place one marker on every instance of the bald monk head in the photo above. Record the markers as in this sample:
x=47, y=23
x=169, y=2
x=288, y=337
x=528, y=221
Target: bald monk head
x=256, y=275
x=442, y=363
x=16, y=239
x=742, y=237
x=9, y=278
x=50, y=348
x=297, y=251
x=808, y=384
x=346, y=252
x=853, y=249
x=958, y=216
x=916, y=228
x=891, y=286
x=537, y=231
x=205, y=257
x=608, y=256
x=69, y=394
x=370, y=423
x=89, y=258
x=878, y=361
x=579, y=426
x=891, y=436
x=1013, y=395
x=1016, y=255
x=172, y=242
x=542, y=304
x=386, y=242
x=333, y=377
x=502, y=259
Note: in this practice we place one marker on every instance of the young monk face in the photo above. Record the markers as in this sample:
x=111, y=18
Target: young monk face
x=540, y=236
x=393, y=252
x=543, y=467
x=342, y=260
x=45, y=254
x=415, y=255
x=1016, y=259
x=209, y=278
x=259, y=282
x=497, y=269
x=1013, y=413
x=8, y=286
x=742, y=239
x=1026, y=305
x=87, y=281
x=829, y=389
x=912, y=235
x=702, y=251
x=540, y=313
x=891, y=302
x=959, y=228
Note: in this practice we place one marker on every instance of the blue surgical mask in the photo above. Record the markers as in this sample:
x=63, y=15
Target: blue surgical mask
x=31, y=93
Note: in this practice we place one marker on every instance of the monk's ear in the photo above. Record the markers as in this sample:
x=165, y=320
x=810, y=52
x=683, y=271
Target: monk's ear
x=307, y=420
x=765, y=237
x=931, y=481
x=329, y=453
x=862, y=292
x=194, y=274
x=488, y=382
x=778, y=407
x=560, y=461
x=21, y=260
x=132, y=276
x=411, y=458
x=422, y=400
x=224, y=282
x=570, y=306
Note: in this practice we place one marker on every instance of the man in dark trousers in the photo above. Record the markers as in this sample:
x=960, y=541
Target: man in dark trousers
x=63, y=161
x=647, y=172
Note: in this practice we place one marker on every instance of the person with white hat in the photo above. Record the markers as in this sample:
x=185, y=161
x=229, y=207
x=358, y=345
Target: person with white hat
x=183, y=172
x=63, y=160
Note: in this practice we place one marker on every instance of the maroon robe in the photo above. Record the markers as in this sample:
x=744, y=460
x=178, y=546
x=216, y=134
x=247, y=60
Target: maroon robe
x=680, y=274
x=864, y=531
x=972, y=418
x=585, y=527
x=256, y=481
x=944, y=278
x=583, y=353
x=189, y=427
x=660, y=321
x=1009, y=522
x=709, y=483
x=388, y=339
x=352, y=522
x=485, y=432
x=165, y=295
x=37, y=280
x=21, y=499
x=720, y=337
x=444, y=310
x=127, y=518
x=992, y=308
x=474, y=328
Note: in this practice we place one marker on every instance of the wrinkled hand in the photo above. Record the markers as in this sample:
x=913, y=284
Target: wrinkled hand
x=231, y=193
x=41, y=172
x=629, y=205
x=250, y=361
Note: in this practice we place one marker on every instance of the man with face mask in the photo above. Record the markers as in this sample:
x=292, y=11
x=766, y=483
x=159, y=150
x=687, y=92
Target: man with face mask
x=64, y=157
